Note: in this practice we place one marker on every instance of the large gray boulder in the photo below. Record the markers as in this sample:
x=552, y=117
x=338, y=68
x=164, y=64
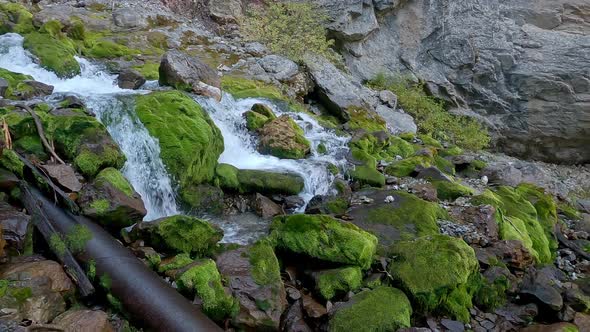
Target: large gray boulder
x=225, y=10
x=523, y=65
x=189, y=73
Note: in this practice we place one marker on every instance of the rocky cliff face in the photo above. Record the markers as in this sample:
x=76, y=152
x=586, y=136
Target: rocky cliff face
x=523, y=65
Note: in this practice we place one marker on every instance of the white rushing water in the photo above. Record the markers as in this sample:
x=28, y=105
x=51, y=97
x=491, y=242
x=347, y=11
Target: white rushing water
x=240, y=144
x=144, y=168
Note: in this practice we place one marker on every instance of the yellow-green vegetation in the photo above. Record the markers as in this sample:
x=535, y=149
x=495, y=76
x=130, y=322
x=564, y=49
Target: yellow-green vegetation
x=75, y=240
x=149, y=70
x=360, y=118
x=15, y=83
x=15, y=18
x=407, y=167
x=370, y=149
x=451, y=190
x=258, y=116
x=57, y=245
x=190, y=142
x=291, y=29
x=183, y=234
x=179, y=261
x=264, y=264
x=101, y=206
x=283, y=138
x=431, y=116
x=244, y=88
x=226, y=176
x=252, y=181
x=116, y=179
x=325, y=238
x=439, y=273
x=339, y=281
x=12, y=162
x=204, y=280
x=525, y=213
x=381, y=309
x=366, y=175
x=492, y=294
x=411, y=216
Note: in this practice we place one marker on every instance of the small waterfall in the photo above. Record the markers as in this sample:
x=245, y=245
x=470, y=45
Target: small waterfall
x=113, y=107
x=240, y=144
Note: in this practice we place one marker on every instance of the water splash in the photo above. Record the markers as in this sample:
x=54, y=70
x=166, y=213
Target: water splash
x=240, y=144
x=113, y=106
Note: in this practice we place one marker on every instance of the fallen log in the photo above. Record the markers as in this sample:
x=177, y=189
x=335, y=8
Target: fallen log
x=141, y=291
x=63, y=254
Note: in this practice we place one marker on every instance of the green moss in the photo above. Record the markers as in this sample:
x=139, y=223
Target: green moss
x=325, y=238
x=57, y=245
x=333, y=169
x=439, y=272
x=339, y=281
x=408, y=166
x=264, y=264
x=15, y=81
x=12, y=162
x=255, y=121
x=3, y=287
x=411, y=216
x=367, y=175
x=15, y=18
x=184, y=234
x=90, y=162
x=337, y=206
x=252, y=181
x=450, y=191
x=115, y=178
x=52, y=28
x=321, y=149
x=107, y=49
x=105, y=282
x=149, y=70
x=101, y=206
x=380, y=309
x=429, y=141
x=179, y=261
x=55, y=54
x=204, y=198
x=527, y=214
x=91, y=270
x=21, y=295
x=77, y=31
x=31, y=145
x=492, y=295
x=362, y=119
x=369, y=149
x=190, y=142
x=77, y=238
x=227, y=176
x=204, y=280
x=240, y=87
x=568, y=210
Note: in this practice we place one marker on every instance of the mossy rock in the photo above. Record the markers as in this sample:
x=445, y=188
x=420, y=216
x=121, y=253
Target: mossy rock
x=108, y=49
x=406, y=218
x=116, y=179
x=255, y=121
x=227, y=177
x=366, y=175
x=203, y=279
x=179, y=234
x=440, y=274
x=371, y=148
x=324, y=238
x=15, y=18
x=330, y=283
x=255, y=181
x=190, y=143
x=283, y=138
x=525, y=213
x=408, y=166
x=360, y=118
x=240, y=88
x=381, y=309
x=10, y=160
x=55, y=53
x=451, y=190
x=203, y=198
x=15, y=83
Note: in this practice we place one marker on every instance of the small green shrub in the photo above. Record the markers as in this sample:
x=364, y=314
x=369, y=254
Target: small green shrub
x=291, y=29
x=431, y=116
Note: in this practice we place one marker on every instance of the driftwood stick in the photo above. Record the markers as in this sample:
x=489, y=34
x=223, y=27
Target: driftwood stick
x=41, y=132
x=46, y=228
x=570, y=244
x=60, y=194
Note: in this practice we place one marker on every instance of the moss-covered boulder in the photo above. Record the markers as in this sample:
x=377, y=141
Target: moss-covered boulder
x=190, y=142
x=330, y=283
x=404, y=218
x=360, y=118
x=77, y=136
x=16, y=84
x=240, y=87
x=10, y=160
x=254, y=277
x=205, y=198
x=525, y=213
x=202, y=279
x=111, y=200
x=283, y=138
x=324, y=238
x=179, y=234
x=451, y=190
x=264, y=182
x=371, y=148
x=55, y=53
x=226, y=176
x=258, y=116
x=409, y=166
x=438, y=272
x=381, y=309
x=366, y=175
x=15, y=18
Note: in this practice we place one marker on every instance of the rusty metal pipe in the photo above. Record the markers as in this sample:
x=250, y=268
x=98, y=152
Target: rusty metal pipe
x=141, y=291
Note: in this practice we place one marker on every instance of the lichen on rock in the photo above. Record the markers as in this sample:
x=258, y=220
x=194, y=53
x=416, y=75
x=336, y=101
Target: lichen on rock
x=283, y=138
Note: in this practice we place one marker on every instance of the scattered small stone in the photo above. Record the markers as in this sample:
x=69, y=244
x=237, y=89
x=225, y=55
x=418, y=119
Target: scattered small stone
x=389, y=199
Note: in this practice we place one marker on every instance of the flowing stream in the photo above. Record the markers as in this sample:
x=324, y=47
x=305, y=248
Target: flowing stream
x=144, y=169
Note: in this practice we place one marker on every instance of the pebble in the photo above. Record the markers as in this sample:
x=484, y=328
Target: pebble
x=389, y=199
